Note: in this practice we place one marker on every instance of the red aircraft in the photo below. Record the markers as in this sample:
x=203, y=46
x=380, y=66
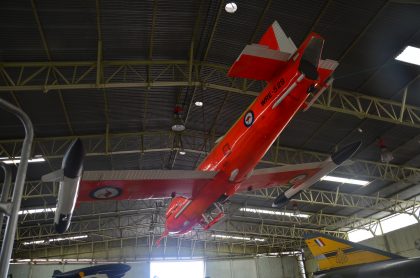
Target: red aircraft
x=292, y=75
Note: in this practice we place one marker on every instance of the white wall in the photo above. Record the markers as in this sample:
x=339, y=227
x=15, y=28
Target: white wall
x=284, y=267
x=262, y=267
x=400, y=242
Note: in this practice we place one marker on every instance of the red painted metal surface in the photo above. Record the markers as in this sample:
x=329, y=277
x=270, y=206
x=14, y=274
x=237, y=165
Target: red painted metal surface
x=236, y=155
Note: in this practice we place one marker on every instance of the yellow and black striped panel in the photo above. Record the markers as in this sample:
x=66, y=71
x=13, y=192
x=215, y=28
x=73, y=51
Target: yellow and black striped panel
x=331, y=252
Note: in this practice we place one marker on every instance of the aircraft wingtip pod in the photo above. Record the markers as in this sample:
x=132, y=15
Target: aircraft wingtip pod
x=345, y=153
x=73, y=159
x=280, y=201
x=71, y=173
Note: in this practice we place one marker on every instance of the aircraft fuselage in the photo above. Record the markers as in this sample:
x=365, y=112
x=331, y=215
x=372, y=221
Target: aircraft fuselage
x=245, y=144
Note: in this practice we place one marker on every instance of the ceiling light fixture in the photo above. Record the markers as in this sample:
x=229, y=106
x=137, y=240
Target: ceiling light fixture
x=178, y=124
x=33, y=211
x=182, y=152
x=231, y=7
x=16, y=159
x=410, y=55
x=345, y=180
x=36, y=242
x=386, y=155
x=199, y=103
x=273, y=212
x=239, y=238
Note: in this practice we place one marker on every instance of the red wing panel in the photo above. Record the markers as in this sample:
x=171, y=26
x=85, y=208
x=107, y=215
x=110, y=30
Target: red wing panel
x=124, y=185
x=293, y=175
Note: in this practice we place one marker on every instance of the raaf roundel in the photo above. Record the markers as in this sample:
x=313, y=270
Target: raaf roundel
x=293, y=75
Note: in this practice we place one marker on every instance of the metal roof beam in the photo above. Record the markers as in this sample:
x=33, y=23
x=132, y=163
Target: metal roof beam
x=352, y=103
x=140, y=222
x=340, y=199
x=213, y=30
x=53, y=69
x=126, y=143
x=141, y=247
x=147, y=208
x=100, y=228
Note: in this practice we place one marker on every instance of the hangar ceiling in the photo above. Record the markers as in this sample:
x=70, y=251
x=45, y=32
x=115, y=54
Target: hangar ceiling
x=112, y=72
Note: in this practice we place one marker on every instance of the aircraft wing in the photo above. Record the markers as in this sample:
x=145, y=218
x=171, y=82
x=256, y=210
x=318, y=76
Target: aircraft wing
x=298, y=177
x=141, y=184
x=292, y=175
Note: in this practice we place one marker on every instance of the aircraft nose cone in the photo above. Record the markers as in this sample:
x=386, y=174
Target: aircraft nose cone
x=73, y=160
x=345, y=153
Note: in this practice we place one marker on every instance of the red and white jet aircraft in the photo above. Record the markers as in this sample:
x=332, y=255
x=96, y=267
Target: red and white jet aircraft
x=292, y=74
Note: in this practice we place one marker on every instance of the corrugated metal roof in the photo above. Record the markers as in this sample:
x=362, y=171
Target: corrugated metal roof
x=365, y=35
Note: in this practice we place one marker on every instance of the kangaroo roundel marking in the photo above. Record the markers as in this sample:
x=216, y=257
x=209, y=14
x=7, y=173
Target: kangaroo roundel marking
x=249, y=118
x=106, y=192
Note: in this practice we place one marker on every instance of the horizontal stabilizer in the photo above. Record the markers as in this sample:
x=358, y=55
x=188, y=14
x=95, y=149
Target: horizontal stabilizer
x=276, y=39
x=261, y=61
x=258, y=62
x=331, y=252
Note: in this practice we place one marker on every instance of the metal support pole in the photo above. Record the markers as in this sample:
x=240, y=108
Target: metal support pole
x=5, y=190
x=404, y=99
x=9, y=237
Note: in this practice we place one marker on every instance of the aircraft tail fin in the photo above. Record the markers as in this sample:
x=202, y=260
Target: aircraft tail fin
x=331, y=252
x=261, y=61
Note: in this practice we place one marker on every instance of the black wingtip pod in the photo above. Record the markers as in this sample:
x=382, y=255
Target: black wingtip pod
x=63, y=223
x=345, y=153
x=73, y=160
x=280, y=201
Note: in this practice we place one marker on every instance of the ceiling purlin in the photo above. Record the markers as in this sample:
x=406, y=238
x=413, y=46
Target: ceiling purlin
x=387, y=62
x=95, y=147
x=341, y=101
x=320, y=15
x=190, y=75
x=260, y=21
x=211, y=135
x=47, y=52
x=213, y=30
x=360, y=35
x=12, y=93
